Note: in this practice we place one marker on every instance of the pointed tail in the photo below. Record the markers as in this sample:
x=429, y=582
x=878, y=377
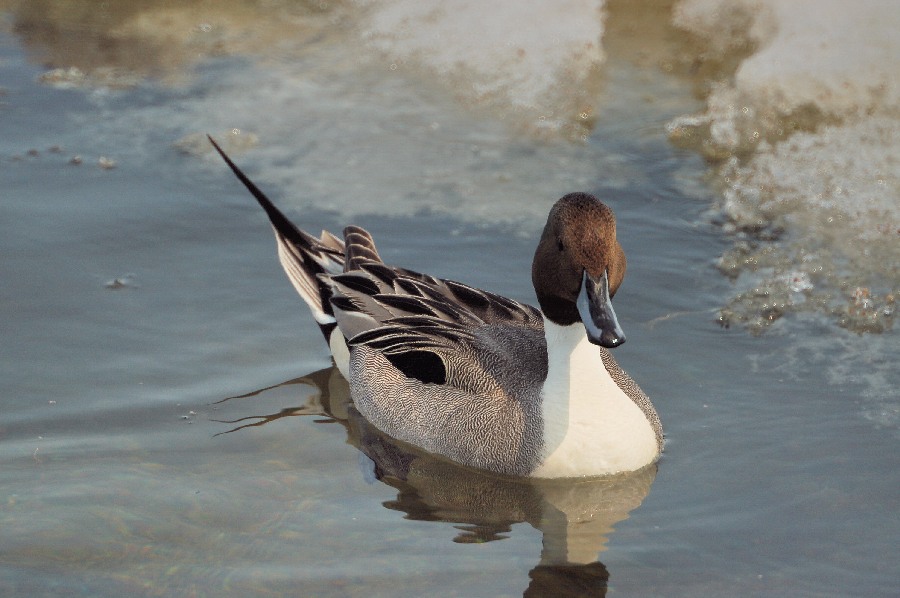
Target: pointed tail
x=302, y=256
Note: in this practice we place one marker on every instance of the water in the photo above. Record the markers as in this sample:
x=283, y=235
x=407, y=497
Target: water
x=119, y=469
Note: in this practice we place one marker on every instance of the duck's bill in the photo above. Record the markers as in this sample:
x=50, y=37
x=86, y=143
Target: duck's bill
x=596, y=311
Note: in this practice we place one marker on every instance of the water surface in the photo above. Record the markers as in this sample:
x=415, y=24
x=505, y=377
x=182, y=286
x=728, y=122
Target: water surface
x=136, y=298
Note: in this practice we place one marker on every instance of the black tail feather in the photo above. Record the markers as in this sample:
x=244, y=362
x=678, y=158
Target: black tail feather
x=284, y=226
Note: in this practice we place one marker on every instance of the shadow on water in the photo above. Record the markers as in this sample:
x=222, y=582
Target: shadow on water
x=576, y=517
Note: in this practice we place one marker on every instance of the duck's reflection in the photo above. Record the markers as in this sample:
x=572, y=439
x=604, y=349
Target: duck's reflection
x=576, y=517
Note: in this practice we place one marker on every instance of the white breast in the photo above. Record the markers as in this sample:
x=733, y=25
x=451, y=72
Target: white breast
x=591, y=427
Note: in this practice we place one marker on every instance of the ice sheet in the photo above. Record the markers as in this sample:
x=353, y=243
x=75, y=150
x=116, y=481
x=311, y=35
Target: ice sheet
x=535, y=63
x=805, y=132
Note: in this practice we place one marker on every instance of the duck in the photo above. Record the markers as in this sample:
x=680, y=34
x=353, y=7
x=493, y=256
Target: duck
x=474, y=377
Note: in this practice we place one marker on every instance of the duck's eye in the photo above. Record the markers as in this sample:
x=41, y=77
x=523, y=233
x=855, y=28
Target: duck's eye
x=560, y=245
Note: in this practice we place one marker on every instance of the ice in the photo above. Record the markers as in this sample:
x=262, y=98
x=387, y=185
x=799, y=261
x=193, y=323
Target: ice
x=840, y=57
x=801, y=118
x=804, y=135
x=534, y=62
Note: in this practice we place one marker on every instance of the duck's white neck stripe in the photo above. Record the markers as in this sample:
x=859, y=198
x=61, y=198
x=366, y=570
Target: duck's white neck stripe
x=591, y=427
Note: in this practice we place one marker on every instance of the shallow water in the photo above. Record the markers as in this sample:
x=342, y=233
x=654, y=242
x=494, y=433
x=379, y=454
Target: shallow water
x=136, y=298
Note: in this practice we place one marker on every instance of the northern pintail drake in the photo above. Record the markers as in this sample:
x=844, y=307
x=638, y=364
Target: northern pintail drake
x=475, y=377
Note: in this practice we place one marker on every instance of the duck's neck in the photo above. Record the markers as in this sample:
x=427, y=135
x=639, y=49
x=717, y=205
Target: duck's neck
x=591, y=426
